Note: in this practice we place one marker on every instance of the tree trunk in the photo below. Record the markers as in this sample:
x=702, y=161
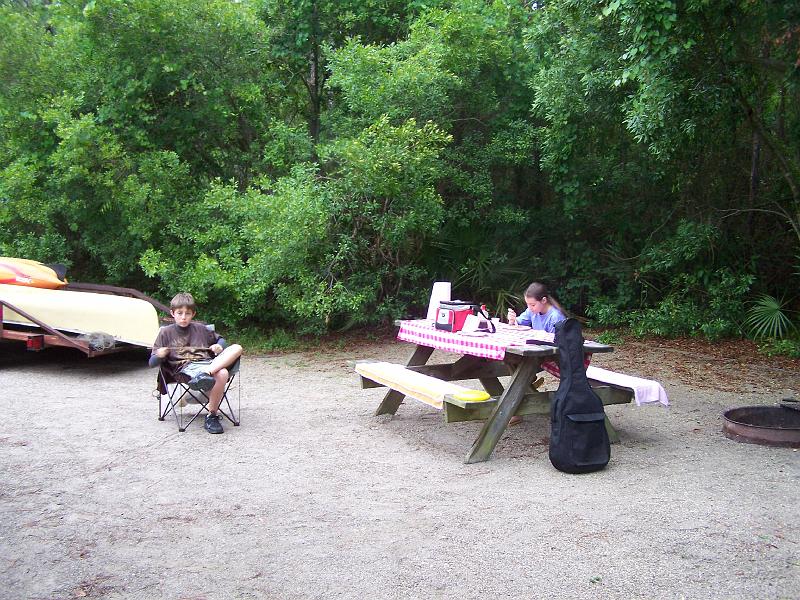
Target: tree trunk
x=314, y=83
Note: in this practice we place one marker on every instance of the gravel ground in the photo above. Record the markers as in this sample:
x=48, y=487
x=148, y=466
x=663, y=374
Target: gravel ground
x=314, y=497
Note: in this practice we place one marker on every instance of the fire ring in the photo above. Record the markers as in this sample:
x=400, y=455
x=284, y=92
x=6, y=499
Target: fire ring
x=765, y=425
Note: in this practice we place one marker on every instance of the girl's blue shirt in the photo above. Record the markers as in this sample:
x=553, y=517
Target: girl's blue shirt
x=546, y=322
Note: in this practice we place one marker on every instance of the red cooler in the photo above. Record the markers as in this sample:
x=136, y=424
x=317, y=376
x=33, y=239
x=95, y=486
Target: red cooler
x=452, y=314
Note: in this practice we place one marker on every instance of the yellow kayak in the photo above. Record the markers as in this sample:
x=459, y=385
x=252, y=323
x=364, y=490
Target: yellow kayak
x=129, y=320
x=30, y=273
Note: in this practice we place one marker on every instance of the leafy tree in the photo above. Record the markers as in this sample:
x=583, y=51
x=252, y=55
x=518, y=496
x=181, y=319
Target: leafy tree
x=133, y=109
x=192, y=78
x=697, y=69
x=464, y=68
x=301, y=32
x=663, y=86
x=321, y=162
x=321, y=250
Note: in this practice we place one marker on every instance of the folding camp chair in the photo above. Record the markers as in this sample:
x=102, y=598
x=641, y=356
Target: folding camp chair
x=174, y=395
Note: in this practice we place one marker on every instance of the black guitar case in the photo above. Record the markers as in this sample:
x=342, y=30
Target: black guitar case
x=578, y=439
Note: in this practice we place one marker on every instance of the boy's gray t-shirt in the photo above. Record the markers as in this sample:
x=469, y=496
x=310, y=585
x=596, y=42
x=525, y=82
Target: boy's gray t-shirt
x=186, y=344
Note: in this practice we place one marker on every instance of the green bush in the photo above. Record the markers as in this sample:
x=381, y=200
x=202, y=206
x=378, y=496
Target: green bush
x=605, y=313
x=319, y=164
x=610, y=337
x=767, y=317
x=784, y=347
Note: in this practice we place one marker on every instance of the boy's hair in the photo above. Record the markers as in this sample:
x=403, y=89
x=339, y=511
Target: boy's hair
x=183, y=300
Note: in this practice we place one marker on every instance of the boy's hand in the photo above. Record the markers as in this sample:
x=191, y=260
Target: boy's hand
x=215, y=348
x=162, y=352
x=512, y=317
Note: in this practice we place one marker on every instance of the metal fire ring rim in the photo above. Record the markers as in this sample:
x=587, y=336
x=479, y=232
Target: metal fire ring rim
x=757, y=406
x=784, y=437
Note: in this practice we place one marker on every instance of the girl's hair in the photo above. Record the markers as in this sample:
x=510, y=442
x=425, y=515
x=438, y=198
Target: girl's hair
x=538, y=291
x=183, y=300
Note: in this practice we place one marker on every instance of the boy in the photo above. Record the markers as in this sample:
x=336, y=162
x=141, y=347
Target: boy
x=187, y=348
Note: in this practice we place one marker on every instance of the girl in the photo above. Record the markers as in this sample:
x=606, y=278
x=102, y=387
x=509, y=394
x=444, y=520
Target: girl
x=543, y=313
x=543, y=310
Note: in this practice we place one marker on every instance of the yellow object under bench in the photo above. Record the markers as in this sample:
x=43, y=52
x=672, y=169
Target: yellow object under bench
x=424, y=388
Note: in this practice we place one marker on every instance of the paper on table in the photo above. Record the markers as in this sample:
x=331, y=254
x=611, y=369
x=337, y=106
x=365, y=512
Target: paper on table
x=439, y=293
x=471, y=323
x=541, y=336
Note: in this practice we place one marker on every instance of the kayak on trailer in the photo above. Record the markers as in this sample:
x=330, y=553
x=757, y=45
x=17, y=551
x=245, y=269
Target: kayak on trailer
x=129, y=320
x=30, y=273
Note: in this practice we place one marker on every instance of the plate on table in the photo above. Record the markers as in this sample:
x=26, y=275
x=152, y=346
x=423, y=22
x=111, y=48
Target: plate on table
x=541, y=337
x=474, y=333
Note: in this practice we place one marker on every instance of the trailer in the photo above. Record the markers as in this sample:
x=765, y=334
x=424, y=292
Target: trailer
x=93, y=318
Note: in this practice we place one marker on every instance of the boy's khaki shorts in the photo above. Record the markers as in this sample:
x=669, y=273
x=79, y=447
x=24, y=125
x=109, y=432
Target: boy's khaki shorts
x=195, y=367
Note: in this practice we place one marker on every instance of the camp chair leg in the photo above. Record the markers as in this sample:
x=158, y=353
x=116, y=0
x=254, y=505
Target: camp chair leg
x=225, y=408
x=177, y=407
x=171, y=401
x=157, y=395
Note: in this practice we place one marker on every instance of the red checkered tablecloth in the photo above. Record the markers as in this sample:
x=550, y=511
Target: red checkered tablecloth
x=491, y=345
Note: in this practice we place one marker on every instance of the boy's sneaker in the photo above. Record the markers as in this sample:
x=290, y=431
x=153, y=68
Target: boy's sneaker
x=202, y=381
x=212, y=424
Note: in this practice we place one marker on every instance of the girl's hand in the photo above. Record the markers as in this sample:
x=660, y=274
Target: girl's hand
x=215, y=348
x=511, y=317
x=162, y=352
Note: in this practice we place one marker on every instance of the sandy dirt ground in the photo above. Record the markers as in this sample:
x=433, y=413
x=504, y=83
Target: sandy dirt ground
x=314, y=497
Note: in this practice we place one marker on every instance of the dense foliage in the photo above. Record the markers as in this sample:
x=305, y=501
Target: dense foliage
x=318, y=163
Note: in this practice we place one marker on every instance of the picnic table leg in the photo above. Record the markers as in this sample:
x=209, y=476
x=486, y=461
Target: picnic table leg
x=506, y=408
x=393, y=399
x=613, y=435
x=492, y=385
x=495, y=388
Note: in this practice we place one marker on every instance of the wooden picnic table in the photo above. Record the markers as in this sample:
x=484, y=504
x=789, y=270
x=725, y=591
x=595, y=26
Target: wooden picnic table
x=518, y=352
